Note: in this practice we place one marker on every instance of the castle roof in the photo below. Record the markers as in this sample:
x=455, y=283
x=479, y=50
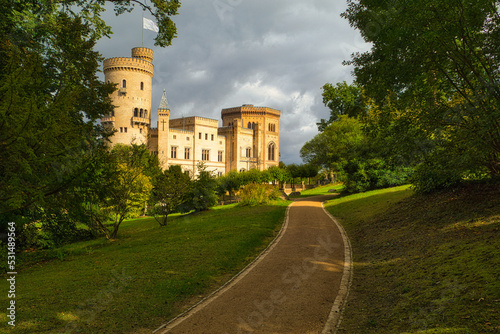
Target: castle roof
x=164, y=102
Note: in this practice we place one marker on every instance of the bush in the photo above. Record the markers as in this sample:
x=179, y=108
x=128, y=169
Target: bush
x=257, y=194
x=360, y=176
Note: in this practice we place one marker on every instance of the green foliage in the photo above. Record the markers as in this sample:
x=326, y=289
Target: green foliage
x=50, y=100
x=437, y=62
x=279, y=174
x=170, y=194
x=231, y=182
x=342, y=99
x=361, y=161
x=258, y=194
x=204, y=191
x=115, y=188
x=369, y=174
x=47, y=114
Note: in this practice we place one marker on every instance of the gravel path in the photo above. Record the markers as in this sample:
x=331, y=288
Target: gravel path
x=297, y=286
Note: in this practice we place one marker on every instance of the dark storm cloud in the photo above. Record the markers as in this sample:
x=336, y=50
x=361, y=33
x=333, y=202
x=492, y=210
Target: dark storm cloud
x=231, y=52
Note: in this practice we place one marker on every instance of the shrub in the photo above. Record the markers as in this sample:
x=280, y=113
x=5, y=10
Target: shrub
x=257, y=194
x=360, y=176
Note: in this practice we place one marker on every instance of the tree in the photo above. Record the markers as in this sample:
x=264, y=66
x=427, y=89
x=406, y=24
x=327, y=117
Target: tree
x=50, y=95
x=279, y=174
x=203, y=194
x=340, y=141
x=342, y=99
x=231, y=182
x=294, y=171
x=309, y=171
x=439, y=62
x=128, y=195
x=360, y=162
x=171, y=190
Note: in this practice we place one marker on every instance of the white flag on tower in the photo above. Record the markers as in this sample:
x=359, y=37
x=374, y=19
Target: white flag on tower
x=149, y=25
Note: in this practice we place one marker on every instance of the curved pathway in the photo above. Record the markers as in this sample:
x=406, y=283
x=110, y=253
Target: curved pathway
x=297, y=286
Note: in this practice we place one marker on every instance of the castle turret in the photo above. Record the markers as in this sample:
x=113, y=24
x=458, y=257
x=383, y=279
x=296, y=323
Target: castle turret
x=132, y=115
x=163, y=130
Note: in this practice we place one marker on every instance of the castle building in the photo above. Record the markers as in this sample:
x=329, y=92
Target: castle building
x=248, y=138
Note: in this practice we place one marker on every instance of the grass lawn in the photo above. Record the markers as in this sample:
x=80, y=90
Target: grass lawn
x=141, y=280
x=423, y=264
x=321, y=190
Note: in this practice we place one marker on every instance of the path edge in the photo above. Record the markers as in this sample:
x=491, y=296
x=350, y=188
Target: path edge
x=336, y=313
x=228, y=285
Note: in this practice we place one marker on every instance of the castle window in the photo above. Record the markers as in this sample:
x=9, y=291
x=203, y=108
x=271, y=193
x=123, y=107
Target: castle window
x=271, y=150
x=249, y=125
x=205, y=155
x=219, y=158
x=187, y=152
x=272, y=127
x=124, y=83
x=136, y=112
x=199, y=135
x=112, y=113
x=212, y=137
x=173, y=152
x=248, y=152
x=253, y=126
x=175, y=137
x=188, y=139
x=125, y=129
x=141, y=112
x=206, y=136
x=142, y=85
x=242, y=170
x=145, y=113
x=121, y=129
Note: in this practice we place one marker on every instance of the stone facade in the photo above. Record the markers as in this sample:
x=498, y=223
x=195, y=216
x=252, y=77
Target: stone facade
x=248, y=138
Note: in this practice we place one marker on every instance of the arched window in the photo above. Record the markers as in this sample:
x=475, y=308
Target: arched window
x=145, y=113
x=142, y=85
x=248, y=152
x=271, y=150
x=124, y=83
x=140, y=113
x=249, y=125
x=253, y=126
x=136, y=112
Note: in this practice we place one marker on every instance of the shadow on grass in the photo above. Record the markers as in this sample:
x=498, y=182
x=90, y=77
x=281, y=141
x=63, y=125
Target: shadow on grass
x=423, y=264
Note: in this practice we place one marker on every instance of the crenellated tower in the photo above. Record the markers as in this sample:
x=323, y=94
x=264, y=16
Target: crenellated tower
x=132, y=115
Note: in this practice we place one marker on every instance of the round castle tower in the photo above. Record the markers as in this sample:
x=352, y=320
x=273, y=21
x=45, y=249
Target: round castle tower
x=132, y=115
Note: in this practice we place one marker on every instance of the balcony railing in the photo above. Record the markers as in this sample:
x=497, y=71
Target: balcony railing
x=108, y=119
x=140, y=120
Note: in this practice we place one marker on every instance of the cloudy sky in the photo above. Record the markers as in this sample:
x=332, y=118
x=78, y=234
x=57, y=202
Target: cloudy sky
x=275, y=53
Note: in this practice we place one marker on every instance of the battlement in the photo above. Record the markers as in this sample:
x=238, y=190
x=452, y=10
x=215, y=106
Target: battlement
x=128, y=64
x=143, y=53
x=250, y=109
